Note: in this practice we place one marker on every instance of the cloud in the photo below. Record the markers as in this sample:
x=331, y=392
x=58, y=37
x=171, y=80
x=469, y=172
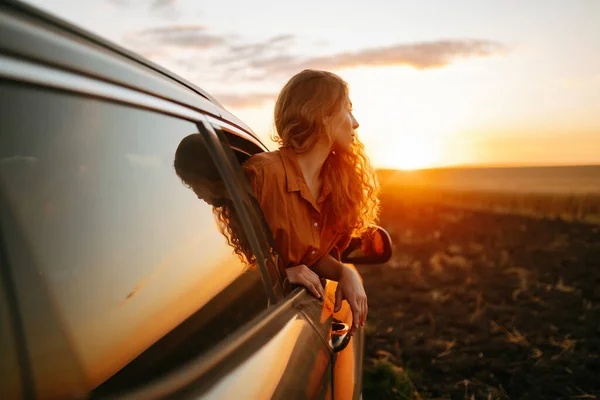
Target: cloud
x=166, y=9
x=261, y=47
x=258, y=61
x=163, y=6
x=229, y=62
x=158, y=4
x=253, y=50
x=421, y=56
x=183, y=36
x=119, y=3
x=249, y=100
x=143, y=161
x=424, y=55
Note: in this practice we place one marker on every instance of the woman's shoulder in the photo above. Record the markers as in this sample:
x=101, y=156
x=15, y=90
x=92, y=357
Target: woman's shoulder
x=267, y=159
x=264, y=169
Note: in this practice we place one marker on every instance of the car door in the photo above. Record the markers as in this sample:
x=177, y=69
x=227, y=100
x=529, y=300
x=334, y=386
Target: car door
x=120, y=272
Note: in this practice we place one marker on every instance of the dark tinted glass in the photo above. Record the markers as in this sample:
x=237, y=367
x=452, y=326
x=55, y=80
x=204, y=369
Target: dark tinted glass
x=110, y=250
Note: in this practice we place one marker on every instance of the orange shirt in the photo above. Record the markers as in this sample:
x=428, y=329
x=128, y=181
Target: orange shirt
x=302, y=233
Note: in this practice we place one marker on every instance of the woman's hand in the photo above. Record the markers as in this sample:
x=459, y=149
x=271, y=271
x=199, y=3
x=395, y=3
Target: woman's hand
x=302, y=275
x=351, y=288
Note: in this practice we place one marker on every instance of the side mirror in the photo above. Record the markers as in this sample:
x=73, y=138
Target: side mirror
x=375, y=247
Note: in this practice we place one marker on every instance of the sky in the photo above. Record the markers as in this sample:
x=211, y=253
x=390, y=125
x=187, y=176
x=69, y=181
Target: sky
x=433, y=83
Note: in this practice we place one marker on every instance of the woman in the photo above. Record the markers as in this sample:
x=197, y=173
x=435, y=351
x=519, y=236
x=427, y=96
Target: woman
x=319, y=189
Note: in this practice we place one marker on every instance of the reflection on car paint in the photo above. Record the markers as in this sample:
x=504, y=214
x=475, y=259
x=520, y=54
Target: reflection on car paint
x=258, y=376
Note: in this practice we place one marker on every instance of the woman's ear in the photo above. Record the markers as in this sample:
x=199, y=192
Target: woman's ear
x=328, y=127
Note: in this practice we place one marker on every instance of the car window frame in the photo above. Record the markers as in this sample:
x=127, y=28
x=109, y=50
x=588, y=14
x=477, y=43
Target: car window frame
x=216, y=147
x=236, y=142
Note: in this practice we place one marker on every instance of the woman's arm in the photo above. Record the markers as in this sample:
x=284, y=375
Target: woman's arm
x=349, y=287
x=329, y=268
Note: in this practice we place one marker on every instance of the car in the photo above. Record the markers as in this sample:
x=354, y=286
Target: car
x=115, y=280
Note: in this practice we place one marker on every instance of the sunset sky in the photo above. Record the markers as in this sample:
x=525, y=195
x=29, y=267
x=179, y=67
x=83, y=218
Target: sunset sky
x=433, y=82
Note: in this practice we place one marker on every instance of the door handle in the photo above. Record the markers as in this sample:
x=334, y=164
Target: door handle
x=340, y=336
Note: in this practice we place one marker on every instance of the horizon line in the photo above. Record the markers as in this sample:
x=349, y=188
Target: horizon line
x=488, y=166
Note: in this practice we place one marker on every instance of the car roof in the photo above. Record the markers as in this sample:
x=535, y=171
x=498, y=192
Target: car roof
x=19, y=37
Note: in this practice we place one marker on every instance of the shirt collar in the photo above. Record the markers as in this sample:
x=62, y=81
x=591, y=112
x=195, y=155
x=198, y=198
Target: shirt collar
x=293, y=173
x=295, y=180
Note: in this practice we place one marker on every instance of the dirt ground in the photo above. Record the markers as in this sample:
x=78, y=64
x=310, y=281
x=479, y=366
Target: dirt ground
x=482, y=305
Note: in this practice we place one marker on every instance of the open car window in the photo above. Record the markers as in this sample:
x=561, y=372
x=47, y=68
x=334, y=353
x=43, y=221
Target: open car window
x=238, y=151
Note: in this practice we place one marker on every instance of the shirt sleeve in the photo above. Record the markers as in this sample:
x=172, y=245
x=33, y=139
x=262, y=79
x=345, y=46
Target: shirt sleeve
x=340, y=246
x=255, y=173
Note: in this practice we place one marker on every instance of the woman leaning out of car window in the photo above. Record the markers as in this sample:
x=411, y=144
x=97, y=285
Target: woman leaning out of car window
x=318, y=189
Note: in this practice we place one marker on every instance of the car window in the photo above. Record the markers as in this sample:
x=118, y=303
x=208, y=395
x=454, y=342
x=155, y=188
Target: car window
x=110, y=250
x=237, y=153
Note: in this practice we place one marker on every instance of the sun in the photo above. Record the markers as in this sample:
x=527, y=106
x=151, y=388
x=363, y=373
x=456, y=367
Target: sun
x=414, y=153
x=407, y=152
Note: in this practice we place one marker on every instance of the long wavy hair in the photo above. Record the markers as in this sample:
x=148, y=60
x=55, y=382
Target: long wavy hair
x=194, y=165
x=303, y=108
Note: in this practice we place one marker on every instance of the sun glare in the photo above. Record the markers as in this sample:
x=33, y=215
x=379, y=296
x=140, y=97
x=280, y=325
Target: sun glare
x=408, y=119
x=414, y=157
x=407, y=153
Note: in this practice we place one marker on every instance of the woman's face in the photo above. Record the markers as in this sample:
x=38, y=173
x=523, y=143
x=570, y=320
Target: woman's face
x=209, y=191
x=343, y=125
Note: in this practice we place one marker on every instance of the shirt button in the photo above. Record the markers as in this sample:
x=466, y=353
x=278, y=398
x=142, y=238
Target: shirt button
x=316, y=224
